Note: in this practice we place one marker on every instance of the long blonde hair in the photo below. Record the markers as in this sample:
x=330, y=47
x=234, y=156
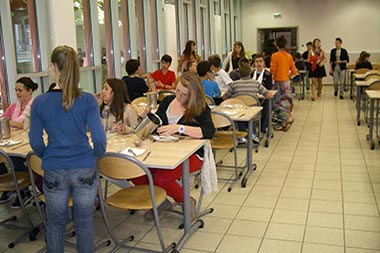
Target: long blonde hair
x=196, y=102
x=66, y=60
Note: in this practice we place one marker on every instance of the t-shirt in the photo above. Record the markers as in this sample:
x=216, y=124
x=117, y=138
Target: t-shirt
x=211, y=88
x=167, y=79
x=136, y=86
x=281, y=63
x=246, y=87
x=222, y=79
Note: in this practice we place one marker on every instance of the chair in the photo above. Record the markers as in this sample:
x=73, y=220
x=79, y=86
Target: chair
x=122, y=167
x=361, y=71
x=140, y=100
x=34, y=167
x=15, y=181
x=225, y=141
x=375, y=66
x=209, y=100
x=164, y=93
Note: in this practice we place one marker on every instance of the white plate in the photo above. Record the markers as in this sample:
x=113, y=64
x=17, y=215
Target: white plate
x=164, y=138
x=133, y=151
x=7, y=143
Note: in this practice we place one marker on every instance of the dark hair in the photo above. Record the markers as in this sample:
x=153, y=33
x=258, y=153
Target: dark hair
x=120, y=97
x=28, y=83
x=67, y=62
x=132, y=66
x=242, y=51
x=189, y=64
x=214, y=60
x=298, y=55
x=257, y=56
x=338, y=39
x=315, y=40
x=267, y=60
x=244, y=60
x=203, y=67
x=362, y=56
x=244, y=68
x=281, y=42
x=309, y=43
x=187, y=52
x=166, y=58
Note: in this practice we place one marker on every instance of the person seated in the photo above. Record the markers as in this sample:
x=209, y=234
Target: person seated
x=192, y=67
x=210, y=87
x=164, y=78
x=363, y=61
x=19, y=116
x=136, y=86
x=263, y=76
x=116, y=112
x=184, y=113
x=234, y=74
x=246, y=86
x=221, y=76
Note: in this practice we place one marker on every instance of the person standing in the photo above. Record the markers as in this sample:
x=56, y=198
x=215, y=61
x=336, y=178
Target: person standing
x=338, y=65
x=281, y=64
x=305, y=57
x=317, y=58
x=232, y=60
x=65, y=113
x=188, y=55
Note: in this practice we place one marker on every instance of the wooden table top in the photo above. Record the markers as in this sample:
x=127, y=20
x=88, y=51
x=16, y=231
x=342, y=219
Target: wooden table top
x=373, y=94
x=165, y=155
x=247, y=113
x=362, y=83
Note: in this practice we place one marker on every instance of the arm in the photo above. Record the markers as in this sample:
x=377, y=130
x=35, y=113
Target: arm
x=293, y=70
x=323, y=61
x=36, y=131
x=273, y=65
x=226, y=61
x=229, y=93
x=98, y=135
x=216, y=90
x=180, y=63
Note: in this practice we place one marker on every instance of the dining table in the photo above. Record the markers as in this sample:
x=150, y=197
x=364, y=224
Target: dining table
x=373, y=96
x=165, y=155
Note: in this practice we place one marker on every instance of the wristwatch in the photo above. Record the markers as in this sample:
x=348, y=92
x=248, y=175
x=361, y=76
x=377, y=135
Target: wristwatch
x=181, y=129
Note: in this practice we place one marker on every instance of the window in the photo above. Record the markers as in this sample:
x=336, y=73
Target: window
x=25, y=36
x=3, y=87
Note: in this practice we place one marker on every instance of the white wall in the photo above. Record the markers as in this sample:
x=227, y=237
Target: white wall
x=356, y=22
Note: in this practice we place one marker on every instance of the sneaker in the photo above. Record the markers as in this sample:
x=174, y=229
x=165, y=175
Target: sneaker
x=335, y=93
x=5, y=197
x=165, y=206
x=341, y=97
x=242, y=140
x=312, y=98
x=26, y=198
x=255, y=139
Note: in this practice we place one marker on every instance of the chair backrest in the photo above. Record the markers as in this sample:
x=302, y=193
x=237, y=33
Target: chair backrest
x=375, y=85
x=4, y=158
x=376, y=66
x=220, y=120
x=232, y=101
x=372, y=77
x=120, y=167
x=248, y=100
x=34, y=163
x=351, y=66
x=139, y=100
x=163, y=93
x=361, y=71
x=209, y=100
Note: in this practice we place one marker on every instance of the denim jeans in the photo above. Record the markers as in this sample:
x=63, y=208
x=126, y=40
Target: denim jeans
x=58, y=185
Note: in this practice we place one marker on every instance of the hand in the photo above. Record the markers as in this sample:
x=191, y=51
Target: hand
x=321, y=64
x=338, y=61
x=142, y=111
x=118, y=127
x=160, y=84
x=330, y=72
x=168, y=129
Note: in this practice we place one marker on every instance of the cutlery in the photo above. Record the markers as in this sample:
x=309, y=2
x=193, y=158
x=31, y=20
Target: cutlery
x=131, y=151
x=146, y=156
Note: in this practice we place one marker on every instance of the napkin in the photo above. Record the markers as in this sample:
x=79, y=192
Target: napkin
x=164, y=138
x=133, y=151
x=9, y=143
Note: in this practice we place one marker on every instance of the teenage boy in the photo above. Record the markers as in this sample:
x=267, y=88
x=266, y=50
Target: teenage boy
x=338, y=64
x=221, y=76
x=305, y=57
x=210, y=87
x=136, y=86
x=164, y=78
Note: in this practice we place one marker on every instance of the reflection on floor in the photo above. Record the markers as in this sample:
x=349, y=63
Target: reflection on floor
x=316, y=189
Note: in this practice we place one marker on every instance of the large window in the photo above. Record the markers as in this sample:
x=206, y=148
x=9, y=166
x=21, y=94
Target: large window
x=3, y=87
x=25, y=36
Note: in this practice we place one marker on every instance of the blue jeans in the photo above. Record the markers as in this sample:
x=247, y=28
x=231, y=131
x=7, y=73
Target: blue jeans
x=58, y=185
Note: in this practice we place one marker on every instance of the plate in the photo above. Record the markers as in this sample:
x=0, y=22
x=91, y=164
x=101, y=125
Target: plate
x=231, y=109
x=164, y=138
x=133, y=151
x=9, y=143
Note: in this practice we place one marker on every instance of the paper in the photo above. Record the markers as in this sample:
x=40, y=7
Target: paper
x=8, y=143
x=164, y=138
x=133, y=151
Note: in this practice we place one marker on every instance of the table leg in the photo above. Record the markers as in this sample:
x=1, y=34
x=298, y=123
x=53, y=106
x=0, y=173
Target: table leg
x=351, y=84
x=371, y=112
x=269, y=137
x=358, y=101
x=303, y=85
x=250, y=166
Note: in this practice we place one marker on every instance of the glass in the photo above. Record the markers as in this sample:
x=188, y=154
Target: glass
x=81, y=17
x=124, y=42
x=25, y=36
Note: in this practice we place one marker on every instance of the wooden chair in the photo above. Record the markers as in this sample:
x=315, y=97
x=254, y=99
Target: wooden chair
x=122, y=167
x=225, y=140
x=164, y=93
x=15, y=181
x=375, y=66
x=34, y=167
x=209, y=100
x=233, y=101
x=248, y=100
x=140, y=100
x=361, y=71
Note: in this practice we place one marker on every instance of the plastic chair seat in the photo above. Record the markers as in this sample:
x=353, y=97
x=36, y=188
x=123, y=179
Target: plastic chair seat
x=238, y=134
x=222, y=142
x=7, y=184
x=136, y=197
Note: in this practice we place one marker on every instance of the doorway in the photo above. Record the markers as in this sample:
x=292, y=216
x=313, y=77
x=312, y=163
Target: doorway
x=267, y=36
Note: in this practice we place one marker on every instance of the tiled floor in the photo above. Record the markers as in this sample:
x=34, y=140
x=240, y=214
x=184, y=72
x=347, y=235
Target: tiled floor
x=316, y=189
